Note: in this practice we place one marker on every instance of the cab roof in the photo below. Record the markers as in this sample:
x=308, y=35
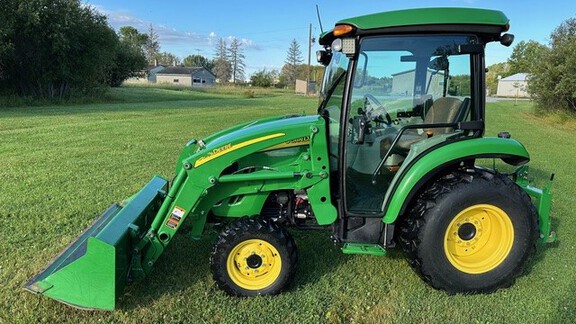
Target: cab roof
x=486, y=22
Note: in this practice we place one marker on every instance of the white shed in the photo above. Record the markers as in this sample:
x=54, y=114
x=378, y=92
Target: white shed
x=513, y=86
x=186, y=76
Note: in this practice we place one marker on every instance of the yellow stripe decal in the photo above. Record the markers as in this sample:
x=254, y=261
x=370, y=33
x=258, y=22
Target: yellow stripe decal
x=230, y=148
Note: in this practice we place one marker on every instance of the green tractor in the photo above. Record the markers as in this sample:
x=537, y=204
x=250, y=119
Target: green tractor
x=390, y=159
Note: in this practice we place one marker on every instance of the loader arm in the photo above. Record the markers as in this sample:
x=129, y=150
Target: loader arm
x=127, y=240
x=201, y=184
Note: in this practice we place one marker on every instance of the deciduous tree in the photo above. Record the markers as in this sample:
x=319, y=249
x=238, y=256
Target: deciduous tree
x=54, y=47
x=552, y=82
x=198, y=61
x=129, y=62
x=525, y=56
x=496, y=72
x=130, y=56
x=166, y=58
x=131, y=37
x=263, y=78
x=222, y=70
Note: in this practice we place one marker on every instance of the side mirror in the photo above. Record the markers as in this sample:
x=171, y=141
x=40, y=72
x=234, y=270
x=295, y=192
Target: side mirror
x=507, y=39
x=323, y=57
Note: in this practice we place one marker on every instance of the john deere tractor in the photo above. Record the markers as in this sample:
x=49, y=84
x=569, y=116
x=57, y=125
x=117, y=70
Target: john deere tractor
x=391, y=159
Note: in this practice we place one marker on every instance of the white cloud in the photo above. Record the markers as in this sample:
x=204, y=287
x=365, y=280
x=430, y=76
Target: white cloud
x=246, y=43
x=211, y=38
x=168, y=36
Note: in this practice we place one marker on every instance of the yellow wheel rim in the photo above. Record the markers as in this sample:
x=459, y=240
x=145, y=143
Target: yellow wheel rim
x=254, y=264
x=479, y=239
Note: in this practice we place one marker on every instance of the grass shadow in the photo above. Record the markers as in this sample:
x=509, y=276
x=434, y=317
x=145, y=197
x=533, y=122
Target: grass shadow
x=183, y=264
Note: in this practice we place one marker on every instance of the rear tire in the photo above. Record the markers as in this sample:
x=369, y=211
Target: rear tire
x=253, y=257
x=470, y=231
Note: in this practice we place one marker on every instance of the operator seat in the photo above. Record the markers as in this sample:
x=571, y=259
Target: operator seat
x=443, y=110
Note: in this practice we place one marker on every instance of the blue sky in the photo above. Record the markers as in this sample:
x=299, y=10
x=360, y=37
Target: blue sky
x=267, y=27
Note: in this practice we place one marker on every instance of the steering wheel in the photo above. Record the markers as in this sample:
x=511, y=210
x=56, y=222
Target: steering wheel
x=377, y=112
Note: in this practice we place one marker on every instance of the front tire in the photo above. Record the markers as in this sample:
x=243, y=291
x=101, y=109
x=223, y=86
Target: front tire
x=471, y=231
x=253, y=257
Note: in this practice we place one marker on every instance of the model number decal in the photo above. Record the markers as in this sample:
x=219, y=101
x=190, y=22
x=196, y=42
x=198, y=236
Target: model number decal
x=291, y=143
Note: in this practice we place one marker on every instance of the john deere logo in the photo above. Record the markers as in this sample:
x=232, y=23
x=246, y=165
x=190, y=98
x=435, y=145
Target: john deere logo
x=220, y=149
x=217, y=152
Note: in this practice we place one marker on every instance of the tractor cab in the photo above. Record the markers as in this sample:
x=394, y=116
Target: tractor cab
x=392, y=92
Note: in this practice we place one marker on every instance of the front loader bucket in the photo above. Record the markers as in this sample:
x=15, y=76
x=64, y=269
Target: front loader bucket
x=94, y=268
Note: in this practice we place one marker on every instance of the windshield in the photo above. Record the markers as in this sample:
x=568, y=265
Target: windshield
x=407, y=74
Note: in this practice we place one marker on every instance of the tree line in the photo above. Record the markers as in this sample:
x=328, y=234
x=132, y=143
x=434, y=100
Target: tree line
x=551, y=69
x=60, y=48
x=57, y=48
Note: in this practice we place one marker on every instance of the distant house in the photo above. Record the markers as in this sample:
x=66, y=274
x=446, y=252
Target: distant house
x=403, y=82
x=513, y=86
x=148, y=75
x=186, y=76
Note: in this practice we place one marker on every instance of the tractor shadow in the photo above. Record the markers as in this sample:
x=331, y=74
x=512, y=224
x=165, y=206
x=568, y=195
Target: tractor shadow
x=318, y=257
x=183, y=265
x=184, y=268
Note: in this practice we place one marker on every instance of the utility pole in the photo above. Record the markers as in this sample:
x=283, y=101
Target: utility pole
x=310, y=41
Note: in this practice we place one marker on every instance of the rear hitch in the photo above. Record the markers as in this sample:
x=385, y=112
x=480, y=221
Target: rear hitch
x=542, y=200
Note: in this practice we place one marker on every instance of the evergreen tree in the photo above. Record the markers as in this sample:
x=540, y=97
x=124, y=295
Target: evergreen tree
x=236, y=55
x=221, y=50
x=152, y=46
x=293, y=59
x=222, y=68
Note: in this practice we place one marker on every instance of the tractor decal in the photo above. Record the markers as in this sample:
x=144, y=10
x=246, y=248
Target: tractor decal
x=302, y=141
x=175, y=218
x=218, y=152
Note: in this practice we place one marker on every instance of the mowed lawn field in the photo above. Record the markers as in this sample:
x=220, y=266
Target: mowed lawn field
x=62, y=166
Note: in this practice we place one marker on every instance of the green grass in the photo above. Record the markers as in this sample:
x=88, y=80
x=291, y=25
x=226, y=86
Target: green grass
x=61, y=166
